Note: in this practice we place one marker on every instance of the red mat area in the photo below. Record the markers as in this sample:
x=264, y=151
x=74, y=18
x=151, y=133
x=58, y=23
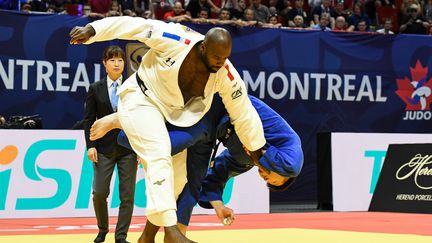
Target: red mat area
x=395, y=223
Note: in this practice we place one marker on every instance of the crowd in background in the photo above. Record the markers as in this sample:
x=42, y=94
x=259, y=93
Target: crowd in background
x=369, y=16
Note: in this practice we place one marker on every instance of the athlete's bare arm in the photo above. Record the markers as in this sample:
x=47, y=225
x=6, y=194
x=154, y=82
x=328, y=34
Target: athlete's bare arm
x=81, y=34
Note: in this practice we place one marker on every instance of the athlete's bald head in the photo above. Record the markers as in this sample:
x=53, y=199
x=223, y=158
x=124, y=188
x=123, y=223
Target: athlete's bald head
x=218, y=36
x=216, y=48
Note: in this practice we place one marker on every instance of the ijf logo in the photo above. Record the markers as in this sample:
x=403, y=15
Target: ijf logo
x=416, y=93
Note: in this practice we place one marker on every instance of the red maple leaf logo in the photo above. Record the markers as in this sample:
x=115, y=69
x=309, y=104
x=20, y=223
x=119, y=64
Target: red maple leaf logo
x=416, y=92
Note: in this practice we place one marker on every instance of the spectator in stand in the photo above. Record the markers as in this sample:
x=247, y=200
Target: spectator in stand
x=51, y=9
x=362, y=26
x=404, y=8
x=341, y=24
x=203, y=16
x=283, y=8
x=273, y=22
x=230, y=4
x=413, y=23
x=238, y=13
x=87, y=12
x=249, y=18
x=114, y=9
x=297, y=10
x=224, y=14
x=358, y=14
x=194, y=7
x=218, y=5
x=159, y=7
x=225, y=18
x=204, y=13
x=215, y=7
x=341, y=11
x=177, y=14
x=272, y=6
x=100, y=6
x=261, y=12
x=386, y=28
x=324, y=7
x=323, y=23
x=299, y=22
x=26, y=8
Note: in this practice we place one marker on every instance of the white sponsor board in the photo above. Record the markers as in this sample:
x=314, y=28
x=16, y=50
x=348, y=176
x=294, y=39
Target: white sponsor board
x=357, y=160
x=46, y=173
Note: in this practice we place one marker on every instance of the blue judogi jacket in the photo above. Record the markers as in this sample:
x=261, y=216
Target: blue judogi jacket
x=283, y=153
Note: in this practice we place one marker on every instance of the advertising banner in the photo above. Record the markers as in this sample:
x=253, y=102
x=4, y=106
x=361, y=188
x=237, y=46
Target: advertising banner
x=46, y=173
x=357, y=159
x=405, y=182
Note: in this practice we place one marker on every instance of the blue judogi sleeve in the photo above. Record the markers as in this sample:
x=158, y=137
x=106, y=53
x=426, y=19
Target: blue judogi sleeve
x=283, y=154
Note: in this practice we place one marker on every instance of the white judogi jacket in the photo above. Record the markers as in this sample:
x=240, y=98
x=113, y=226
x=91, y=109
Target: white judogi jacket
x=169, y=45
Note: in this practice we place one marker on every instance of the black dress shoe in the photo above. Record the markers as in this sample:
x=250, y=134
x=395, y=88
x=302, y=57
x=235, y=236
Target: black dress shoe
x=121, y=241
x=100, y=237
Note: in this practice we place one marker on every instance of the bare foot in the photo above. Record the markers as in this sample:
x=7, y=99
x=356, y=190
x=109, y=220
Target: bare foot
x=149, y=233
x=173, y=235
x=103, y=125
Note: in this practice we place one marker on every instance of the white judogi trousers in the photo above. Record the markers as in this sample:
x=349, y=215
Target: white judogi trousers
x=145, y=128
